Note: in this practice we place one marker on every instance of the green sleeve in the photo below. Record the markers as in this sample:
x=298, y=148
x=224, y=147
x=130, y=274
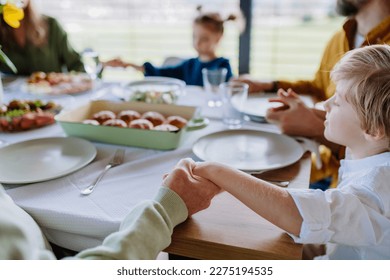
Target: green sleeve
x=145, y=231
x=20, y=236
x=67, y=54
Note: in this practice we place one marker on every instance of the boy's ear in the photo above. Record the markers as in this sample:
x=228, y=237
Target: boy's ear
x=376, y=136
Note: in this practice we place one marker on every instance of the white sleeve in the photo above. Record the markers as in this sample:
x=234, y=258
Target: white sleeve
x=345, y=217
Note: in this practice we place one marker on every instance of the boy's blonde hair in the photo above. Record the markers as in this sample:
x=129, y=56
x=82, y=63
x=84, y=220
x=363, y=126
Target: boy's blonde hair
x=368, y=70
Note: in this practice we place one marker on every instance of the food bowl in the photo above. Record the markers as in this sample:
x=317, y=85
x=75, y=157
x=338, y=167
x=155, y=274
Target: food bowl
x=155, y=90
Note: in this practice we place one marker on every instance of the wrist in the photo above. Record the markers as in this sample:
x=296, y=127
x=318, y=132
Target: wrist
x=173, y=204
x=275, y=86
x=200, y=169
x=272, y=87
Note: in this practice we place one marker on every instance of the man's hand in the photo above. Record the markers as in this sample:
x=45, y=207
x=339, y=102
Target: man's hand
x=294, y=117
x=195, y=191
x=254, y=86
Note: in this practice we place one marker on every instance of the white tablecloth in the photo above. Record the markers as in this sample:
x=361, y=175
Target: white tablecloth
x=77, y=222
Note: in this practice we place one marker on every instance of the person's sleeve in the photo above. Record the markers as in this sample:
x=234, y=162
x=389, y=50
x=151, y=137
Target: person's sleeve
x=305, y=87
x=176, y=71
x=68, y=55
x=317, y=87
x=20, y=237
x=145, y=231
x=348, y=218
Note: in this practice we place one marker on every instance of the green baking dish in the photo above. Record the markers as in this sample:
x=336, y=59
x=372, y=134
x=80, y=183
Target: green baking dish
x=71, y=123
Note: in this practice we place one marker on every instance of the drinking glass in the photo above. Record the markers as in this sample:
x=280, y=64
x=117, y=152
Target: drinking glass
x=92, y=64
x=212, y=79
x=234, y=96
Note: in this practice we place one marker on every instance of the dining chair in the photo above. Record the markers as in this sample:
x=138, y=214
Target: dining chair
x=172, y=61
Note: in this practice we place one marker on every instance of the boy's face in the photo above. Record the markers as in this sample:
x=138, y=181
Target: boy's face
x=205, y=41
x=342, y=125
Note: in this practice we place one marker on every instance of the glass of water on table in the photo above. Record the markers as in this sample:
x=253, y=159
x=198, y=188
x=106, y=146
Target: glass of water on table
x=234, y=96
x=92, y=64
x=212, y=79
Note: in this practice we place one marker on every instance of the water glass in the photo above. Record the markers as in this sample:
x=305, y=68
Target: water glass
x=234, y=96
x=212, y=79
x=92, y=64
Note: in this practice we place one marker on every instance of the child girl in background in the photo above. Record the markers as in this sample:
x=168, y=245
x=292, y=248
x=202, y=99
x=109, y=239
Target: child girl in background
x=208, y=30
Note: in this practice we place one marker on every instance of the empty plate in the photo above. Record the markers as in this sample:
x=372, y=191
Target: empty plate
x=257, y=105
x=43, y=159
x=248, y=150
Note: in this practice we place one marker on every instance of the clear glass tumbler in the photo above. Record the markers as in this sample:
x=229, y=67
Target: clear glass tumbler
x=212, y=79
x=234, y=96
x=92, y=64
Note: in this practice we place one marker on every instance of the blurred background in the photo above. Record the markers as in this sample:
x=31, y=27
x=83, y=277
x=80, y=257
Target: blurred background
x=287, y=37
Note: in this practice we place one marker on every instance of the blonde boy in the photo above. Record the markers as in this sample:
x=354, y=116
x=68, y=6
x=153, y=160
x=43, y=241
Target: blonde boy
x=354, y=219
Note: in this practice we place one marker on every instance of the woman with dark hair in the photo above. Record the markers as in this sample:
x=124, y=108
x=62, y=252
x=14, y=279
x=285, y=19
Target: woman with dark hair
x=38, y=44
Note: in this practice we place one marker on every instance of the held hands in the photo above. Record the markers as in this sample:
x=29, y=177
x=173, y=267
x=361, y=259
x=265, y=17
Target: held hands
x=195, y=191
x=117, y=62
x=293, y=117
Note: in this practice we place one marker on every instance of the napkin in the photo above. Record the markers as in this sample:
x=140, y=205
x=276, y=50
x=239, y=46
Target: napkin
x=77, y=222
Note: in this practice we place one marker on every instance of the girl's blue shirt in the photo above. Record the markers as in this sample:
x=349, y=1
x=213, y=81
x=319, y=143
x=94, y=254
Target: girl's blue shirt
x=189, y=70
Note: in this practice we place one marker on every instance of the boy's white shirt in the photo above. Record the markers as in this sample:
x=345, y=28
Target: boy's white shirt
x=354, y=219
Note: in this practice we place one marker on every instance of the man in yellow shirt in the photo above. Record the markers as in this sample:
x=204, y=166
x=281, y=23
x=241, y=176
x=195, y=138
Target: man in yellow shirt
x=368, y=24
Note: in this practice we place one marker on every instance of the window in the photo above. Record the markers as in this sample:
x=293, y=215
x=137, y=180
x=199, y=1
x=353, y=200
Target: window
x=288, y=36
x=137, y=30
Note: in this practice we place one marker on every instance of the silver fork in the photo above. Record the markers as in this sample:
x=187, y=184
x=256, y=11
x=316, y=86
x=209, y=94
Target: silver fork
x=115, y=161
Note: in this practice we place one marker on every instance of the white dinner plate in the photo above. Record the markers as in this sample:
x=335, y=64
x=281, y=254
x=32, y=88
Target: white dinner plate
x=257, y=105
x=248, y=150
x=74, y=83
x=164, y=79
x=43, y=159
x=157, y=80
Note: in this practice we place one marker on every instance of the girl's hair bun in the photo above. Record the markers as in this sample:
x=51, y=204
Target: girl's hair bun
x=231, y=17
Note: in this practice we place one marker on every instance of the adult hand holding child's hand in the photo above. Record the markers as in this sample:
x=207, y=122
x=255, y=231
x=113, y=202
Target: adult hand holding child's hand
x=195, y=191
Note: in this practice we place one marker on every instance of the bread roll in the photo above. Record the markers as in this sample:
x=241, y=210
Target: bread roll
x=129, y=115
x=103, y=116
x=177, y=121
x=166, y=127
x=93, y=122
x=141, y=124
x=154, y=117
x=116, y=123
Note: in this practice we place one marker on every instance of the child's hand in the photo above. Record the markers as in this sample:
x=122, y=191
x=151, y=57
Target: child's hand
x=116, y=62
x=195, y=191
x=200, y=169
